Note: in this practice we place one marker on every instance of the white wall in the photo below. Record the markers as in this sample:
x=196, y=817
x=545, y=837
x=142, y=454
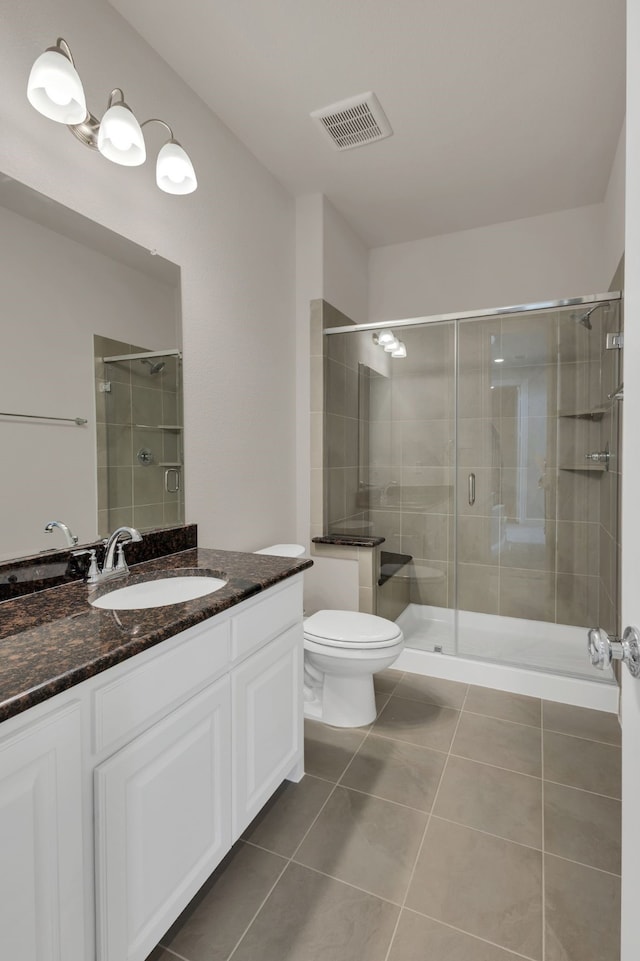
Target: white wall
x=613, y=220
x=345, y=261
x=56, y=294
x=233, y=238
x=539, y=258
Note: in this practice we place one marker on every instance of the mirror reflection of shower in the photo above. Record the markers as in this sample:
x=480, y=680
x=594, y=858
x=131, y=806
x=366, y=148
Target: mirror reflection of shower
x=585, y=318
x=154, y=368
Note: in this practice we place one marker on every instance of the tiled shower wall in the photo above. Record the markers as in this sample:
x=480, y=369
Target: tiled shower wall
x=539, y=542
x=129, y=418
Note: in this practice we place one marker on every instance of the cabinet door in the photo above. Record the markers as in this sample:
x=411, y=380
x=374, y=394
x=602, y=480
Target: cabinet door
x=41, y=880
x=266, y=694
x=162, y=823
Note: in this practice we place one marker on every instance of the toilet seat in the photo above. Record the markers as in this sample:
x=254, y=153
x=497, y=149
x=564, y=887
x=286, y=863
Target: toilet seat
x=351, y=630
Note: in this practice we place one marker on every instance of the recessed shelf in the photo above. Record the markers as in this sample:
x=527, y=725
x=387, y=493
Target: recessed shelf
x=593, y=413
x=588, y=467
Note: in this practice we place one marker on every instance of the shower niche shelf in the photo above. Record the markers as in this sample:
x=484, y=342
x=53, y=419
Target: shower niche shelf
x=594, y=413
x=591, y=468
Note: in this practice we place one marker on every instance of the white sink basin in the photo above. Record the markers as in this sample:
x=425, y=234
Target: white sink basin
x=158, y=593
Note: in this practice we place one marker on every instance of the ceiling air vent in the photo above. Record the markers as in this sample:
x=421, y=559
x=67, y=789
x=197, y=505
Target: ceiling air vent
x=353, y=122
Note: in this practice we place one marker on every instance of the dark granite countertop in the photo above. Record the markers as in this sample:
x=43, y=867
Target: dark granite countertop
x=54, y=639
x=348, y=540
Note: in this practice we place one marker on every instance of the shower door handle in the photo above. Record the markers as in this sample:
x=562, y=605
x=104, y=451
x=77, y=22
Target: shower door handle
x=603, y=649
x=472, y=489
x=174, y=473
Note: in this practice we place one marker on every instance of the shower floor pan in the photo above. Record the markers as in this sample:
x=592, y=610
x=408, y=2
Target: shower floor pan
x=506, y=653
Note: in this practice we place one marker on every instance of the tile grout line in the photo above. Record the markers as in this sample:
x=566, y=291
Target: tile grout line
x=172, y=953
x=290, y=859
x=447, y=924
x=258, y=910
x=426, y=827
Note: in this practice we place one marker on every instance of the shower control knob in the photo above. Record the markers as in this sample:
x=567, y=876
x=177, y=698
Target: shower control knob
x=603, y=649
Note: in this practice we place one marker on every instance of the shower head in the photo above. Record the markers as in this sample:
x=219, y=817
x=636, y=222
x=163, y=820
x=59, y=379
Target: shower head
x=585, y=319
x=154, y=368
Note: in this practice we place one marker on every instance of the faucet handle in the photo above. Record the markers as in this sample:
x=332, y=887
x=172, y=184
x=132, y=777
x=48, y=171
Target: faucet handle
x=121, y=564
x=90, y=570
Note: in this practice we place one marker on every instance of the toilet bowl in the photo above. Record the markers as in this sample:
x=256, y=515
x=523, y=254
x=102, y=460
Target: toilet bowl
x=342, y=652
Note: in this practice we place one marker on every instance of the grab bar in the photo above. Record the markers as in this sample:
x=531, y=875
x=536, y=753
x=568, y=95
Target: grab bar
x=71, y=420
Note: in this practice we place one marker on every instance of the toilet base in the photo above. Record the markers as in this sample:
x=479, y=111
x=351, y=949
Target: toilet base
x=342, y=701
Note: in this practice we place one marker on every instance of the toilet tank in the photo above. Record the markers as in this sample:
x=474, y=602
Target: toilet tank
x=283, y=550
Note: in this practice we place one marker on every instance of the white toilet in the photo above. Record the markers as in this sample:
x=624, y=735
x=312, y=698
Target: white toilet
x=342, y=652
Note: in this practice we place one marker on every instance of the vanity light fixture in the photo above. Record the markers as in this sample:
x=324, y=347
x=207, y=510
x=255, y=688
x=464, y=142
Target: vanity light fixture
x=392, y=345
x=55, y=90
x=400, y=351
x=385, y=337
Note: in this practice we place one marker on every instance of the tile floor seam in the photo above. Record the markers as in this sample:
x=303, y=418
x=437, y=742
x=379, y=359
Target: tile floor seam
x=379, y=797
x=579, y=737
x=499, y=767
x=582, y=864
x=173, y=953
x=257, y=912
x=489, y=834
x=585, y=790
x=447, y=924
x=507, y=720
x=400, y=740
x=350, y=884
x=426, y=828
x=424, y=700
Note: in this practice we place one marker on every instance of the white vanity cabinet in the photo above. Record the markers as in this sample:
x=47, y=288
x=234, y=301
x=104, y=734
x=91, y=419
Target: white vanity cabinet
x=165, y=757
x=173, y=799
x=42, y=904
x=162, y=821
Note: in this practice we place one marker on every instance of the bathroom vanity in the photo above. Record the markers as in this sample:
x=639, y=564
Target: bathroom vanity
x=136, y=747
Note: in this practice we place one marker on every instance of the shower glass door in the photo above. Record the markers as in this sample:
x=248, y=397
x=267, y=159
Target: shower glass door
x=536, y=516
x=412, y=445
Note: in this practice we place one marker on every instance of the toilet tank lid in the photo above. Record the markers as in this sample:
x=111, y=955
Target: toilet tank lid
x=352, y=626
x=283, y=550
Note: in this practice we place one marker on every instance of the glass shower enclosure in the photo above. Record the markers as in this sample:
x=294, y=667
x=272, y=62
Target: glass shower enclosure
x=487, y=458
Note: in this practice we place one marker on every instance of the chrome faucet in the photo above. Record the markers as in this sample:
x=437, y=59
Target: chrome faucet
x=113, y=567
x=70, y=538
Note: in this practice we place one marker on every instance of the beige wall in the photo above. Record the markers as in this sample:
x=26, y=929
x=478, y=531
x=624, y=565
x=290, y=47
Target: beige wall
x=540, y=258
x=234, y=240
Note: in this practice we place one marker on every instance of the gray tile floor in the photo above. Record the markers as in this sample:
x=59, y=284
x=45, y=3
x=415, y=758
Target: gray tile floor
x=465, y=824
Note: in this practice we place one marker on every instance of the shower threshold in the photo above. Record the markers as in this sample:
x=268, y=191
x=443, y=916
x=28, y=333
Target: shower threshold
x=506, y=653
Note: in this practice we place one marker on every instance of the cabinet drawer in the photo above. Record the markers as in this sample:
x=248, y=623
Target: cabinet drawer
x=265, y=619
x=141, y=696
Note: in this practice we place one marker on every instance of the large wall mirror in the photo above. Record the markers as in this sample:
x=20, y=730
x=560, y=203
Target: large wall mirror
x=90, y=378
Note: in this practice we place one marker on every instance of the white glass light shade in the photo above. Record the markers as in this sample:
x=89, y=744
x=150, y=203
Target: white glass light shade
x=55, y=89
x=386, y=337
x=400, y=351
x=174, y=170
x=120, y=137
x=392, y=345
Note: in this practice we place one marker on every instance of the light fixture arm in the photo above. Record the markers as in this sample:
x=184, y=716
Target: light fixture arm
x=157, y=120
x=61, y=43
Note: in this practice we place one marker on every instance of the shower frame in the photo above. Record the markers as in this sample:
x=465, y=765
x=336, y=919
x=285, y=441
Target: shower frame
x=593, y=300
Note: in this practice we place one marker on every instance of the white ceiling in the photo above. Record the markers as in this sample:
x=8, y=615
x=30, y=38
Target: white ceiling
x=501, y=109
